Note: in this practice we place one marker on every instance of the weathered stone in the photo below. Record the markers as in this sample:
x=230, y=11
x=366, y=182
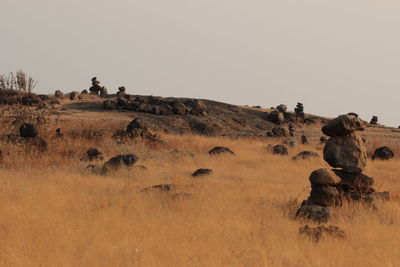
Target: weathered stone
x=347, y=152
x=324, y=177
x=202, y=172
x=73, y=95
x=59, y=94
x=343, y=125
x=28, y=130
x=93, y=153
x=281, y=108
x=383, y=153
x=220, y=150
x=324, y=195
x=280, y=150
x=118, y=161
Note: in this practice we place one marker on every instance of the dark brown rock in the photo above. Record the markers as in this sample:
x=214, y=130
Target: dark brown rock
x=343, y=125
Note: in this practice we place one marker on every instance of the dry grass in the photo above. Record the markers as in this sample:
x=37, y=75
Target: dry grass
x=55, y=213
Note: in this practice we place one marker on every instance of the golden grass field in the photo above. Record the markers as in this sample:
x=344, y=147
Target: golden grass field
x=56, y=213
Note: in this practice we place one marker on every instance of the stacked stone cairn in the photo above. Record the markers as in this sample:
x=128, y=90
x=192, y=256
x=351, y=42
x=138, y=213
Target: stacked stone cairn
x=345, y=151
x=121, y=91
x=96, y=89
x=374, y=120
x=299, y=111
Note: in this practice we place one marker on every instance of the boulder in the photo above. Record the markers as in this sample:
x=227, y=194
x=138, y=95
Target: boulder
x=118, y=161
x=73, y=95
x=28, y=130
x=59, y=94
x=347, y=152
x=281, y=108
x=344, y=125
x=354, y=185
x=280, y=150
x=324, y=177
x=306, y=155
x=314, y=213
x=383, y=153
x=93, y=153
x=220, y=150
x=84, y=92
x=202, y=172
x=325, y=195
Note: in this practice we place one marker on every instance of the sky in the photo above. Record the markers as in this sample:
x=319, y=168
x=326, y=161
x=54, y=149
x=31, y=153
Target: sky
x=334, y=56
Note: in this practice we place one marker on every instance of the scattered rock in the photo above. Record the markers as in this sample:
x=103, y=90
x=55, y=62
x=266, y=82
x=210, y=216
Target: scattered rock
x=344, y=125
x=321, y=232
x=383, y=153
x=93, y=154
x=138, y=129
x=347, y=152
x=84, y=92
x=279, y=131
x=59, y=134
x=179, y=154
x=118, y=161
x=306, y=155
x=161, y=188
x=73, y=95
x=28, y=130
x=202, y=172
x=58, y=94
x=220, y=150
x=280, y=150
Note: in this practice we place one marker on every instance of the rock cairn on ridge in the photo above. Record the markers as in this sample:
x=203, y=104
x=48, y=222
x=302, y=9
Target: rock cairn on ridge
x=346, y=152
x=374, y=120
x=96, y=89
x=299, y=111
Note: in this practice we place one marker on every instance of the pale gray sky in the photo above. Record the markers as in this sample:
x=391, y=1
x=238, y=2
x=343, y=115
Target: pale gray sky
x=335, y=56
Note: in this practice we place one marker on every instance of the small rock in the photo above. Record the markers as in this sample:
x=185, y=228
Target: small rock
x=118, y=161
x=383, y=153
x=202, y=172
x=314, y=213
x=220, y=150
x=280, y=150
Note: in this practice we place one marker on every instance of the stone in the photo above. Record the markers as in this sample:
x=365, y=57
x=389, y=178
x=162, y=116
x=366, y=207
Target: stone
x=58, y=94
x=324, y=195
x=281, y=108
x=220, y=150
x=347, y=152
x=280, y=150
x=383, y=153
x=160, y=188
x=344, y=125
x=93, y=153
x=28, y=130
x=354, y=182
x=279, y=131
x=324, y=177
x=374, y=120
x=202, y=172
x=306, y=155
x=73, y=95
x=118, y=161
x=84, y=92
x=314, y=213
x=59, y=134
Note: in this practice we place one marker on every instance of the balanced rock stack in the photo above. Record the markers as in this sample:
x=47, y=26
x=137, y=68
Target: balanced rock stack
x=346, y=152
x=96, y=89
x=299, y=110
x=374, y=120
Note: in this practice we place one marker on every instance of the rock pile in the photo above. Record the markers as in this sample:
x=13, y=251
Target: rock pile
x=96, y=89
x=121, y=91
x=157, y=105
x=374, y=120
x=299, y=111
x=137, y=128
x=346, y=152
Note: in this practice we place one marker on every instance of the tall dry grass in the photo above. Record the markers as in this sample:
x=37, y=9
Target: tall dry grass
x=56, y=213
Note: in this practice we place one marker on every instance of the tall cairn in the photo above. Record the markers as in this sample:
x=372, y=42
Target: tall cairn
x=345, y=151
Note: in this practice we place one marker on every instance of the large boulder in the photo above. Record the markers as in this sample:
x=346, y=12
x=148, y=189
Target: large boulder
x=281, y=108
x=324, y=177
x=346, y=152
x=28, y=130
x=325, y=195
x=344, y=125
x=354, y=185
x=383, y=153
